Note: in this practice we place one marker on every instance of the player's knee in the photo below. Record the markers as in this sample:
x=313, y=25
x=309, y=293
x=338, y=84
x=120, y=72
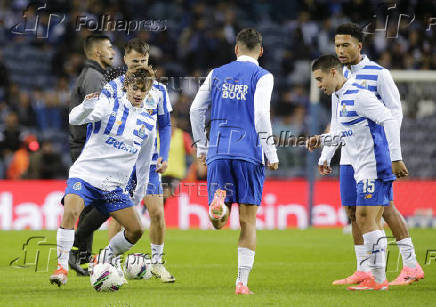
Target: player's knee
x=73, y=212
x=245, y=222
x=156, y=213
x=361, y=217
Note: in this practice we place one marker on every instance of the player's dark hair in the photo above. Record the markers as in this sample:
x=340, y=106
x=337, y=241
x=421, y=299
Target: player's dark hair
x=326, y=62
x=137, y=45
x=250, y=37
x=144, y=76
x=350, y=29
x=92, y=40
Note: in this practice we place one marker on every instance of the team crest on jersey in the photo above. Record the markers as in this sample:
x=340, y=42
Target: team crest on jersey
x=141, y=132
x=77, y=186
x=364, y=84
x=344, y=110
x=119, y=122
x=368, y=196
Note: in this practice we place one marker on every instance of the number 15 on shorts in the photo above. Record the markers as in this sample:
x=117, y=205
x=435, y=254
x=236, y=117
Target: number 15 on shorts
x=368, y=186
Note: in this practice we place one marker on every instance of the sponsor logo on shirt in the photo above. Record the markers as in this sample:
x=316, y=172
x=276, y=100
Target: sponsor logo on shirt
x=234, y=91
x=121, y=145
x=346, y=133
x=150, y=103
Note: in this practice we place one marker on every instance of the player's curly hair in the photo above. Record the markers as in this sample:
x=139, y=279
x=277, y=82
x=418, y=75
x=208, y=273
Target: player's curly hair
x=350, y=29
x=143, y=75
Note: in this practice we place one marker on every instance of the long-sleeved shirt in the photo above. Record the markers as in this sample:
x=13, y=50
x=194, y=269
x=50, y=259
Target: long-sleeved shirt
x=158, y=101
x=377, y=80
x=90, y=80
x=121, y=135
x=368, y=130
x=235, y=99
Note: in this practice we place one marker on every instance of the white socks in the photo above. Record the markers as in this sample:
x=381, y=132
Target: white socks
x=245, y=264
x=377, y=255
x=65, y=241
x=156, y=253
x=384, y=242
x=362, y=258
x=118, y=245
x=407, y=251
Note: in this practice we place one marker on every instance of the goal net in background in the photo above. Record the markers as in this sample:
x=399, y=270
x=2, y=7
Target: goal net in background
x=418, y=130
x=418, y=137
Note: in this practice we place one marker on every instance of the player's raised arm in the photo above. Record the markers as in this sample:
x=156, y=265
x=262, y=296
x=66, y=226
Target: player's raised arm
x=262, y=121
x=93, y=108
x=198, y=113
x=368, y=106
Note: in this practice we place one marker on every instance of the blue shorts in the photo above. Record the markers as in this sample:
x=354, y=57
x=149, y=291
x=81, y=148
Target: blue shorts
x=154, y=182
x=105, y=201
x=242, y=180
x=377, y=193
x=347, y=185
x=374, y=193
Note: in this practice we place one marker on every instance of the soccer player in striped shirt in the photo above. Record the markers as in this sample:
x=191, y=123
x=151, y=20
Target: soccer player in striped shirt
x=137, y=55
x=378, y=80
x=371, y=136
x=122, y=135
x=236, y=98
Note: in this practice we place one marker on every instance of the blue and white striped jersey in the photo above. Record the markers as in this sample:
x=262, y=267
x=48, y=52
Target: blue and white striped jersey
x=368, y=131
x=120, y=135
x=157, y=100
x=377, y=80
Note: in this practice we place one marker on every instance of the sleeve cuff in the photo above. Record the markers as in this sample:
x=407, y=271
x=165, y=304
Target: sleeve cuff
x=201, y=152
x=396, y=155
x=272, y=157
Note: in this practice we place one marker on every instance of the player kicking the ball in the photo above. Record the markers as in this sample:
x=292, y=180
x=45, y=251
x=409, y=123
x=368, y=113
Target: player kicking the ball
x=236, y=96
x=122, y=135
x=372, y=138
x=137, y=56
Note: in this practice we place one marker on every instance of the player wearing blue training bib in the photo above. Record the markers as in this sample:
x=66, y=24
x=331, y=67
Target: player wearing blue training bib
x=235, y=98
x=122, y=135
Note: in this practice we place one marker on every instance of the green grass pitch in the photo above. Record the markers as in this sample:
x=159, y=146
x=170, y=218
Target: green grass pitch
x=292, y=268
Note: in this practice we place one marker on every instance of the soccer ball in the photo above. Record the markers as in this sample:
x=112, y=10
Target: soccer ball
x=137, y=266
x=106, y=277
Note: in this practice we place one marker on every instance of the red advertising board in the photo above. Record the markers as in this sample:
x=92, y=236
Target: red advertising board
x=36, y=204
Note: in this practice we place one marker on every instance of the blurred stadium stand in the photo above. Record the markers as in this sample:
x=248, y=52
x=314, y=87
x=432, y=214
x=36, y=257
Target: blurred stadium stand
x=36, y=73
